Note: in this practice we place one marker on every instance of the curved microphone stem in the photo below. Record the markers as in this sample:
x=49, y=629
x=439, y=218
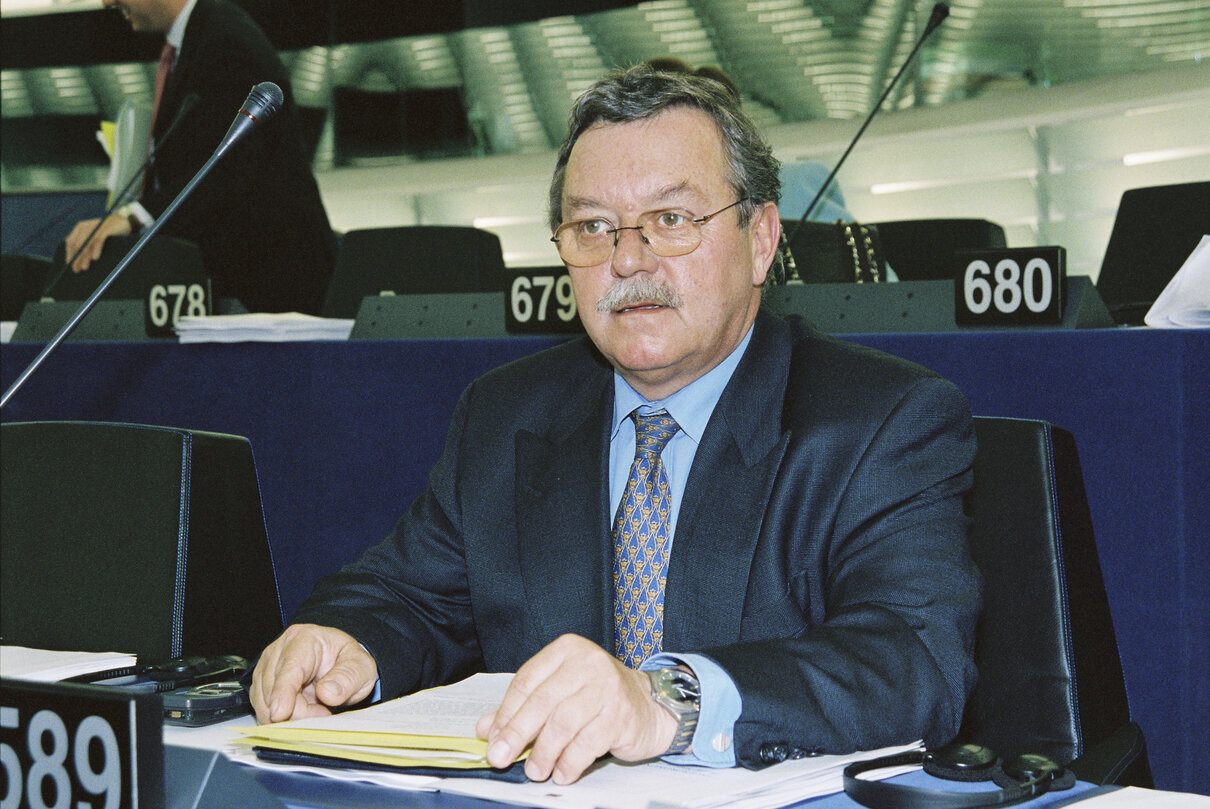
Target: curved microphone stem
x=261, y=104
x=940, y=12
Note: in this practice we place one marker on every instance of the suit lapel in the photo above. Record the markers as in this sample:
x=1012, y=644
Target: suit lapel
x=562, y=524
x=726, y=496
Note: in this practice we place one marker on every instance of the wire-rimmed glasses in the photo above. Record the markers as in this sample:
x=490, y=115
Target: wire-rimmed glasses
x=668, y=232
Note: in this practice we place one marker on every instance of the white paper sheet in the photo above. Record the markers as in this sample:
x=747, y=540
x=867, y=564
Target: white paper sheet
x=45, y=666
x=1185, y=302
x=263, y=328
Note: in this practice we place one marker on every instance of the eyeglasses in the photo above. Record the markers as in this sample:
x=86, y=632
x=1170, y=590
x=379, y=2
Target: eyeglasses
x=668, y=233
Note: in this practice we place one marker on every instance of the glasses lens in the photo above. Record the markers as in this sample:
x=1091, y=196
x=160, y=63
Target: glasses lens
x=670, y=233
x=584, y=243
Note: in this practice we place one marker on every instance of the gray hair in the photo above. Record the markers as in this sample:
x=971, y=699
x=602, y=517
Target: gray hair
x=641, y=93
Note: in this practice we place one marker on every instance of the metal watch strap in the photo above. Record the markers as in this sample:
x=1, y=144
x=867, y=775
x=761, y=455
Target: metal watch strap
x=678, y=692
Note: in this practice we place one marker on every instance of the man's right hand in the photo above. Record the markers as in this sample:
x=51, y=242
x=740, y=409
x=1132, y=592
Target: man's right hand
x=308, y=671
x=114, y=225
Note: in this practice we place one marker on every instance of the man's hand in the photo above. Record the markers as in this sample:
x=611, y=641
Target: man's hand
x=114, y=225
x=308, y=671
x=575, y=703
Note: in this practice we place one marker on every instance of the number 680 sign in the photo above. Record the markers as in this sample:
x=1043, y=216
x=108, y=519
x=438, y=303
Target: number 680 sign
x=1010, y=286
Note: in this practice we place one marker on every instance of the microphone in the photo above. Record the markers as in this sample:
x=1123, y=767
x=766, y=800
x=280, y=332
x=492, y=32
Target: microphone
x=262, y=104
x=940, y=12
x=264, y=100
x=187, y=104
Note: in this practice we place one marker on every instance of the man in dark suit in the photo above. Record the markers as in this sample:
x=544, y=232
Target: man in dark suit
x=257, y=217
x=817, y=595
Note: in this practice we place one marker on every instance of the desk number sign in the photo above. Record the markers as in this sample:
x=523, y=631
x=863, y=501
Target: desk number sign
x=69, y=746
x=540, y=301
x=1010, y=286
x=178, y=294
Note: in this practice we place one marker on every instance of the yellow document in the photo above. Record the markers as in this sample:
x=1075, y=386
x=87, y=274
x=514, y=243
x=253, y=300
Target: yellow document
x=433, y=728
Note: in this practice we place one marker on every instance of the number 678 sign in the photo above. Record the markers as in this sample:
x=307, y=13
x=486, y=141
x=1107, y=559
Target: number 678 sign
x=1010, y=286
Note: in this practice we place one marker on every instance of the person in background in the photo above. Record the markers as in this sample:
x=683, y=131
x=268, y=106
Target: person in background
x=257, y=217
x=702, y=531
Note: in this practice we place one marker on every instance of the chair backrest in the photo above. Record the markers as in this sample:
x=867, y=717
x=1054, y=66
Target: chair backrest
x=923, y=249
x=22, y=279
x=1154, y=231
x=1050, y=679
x=916, y=249
x=160, y=255
x=133, y=538
x=419, y=259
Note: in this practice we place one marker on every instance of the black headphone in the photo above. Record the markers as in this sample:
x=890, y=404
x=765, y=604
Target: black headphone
x=1025, y=777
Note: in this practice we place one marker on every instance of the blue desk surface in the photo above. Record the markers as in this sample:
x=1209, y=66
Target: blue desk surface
x=304, y=791
x=344, y=434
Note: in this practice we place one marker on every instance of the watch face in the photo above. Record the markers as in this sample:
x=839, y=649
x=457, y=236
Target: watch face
x=677, y=690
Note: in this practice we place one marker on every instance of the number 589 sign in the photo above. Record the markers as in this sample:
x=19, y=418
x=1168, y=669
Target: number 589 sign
x=71, y=746
x=1010, y=286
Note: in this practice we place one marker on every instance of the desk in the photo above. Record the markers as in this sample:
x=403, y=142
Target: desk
x=344, y=434
x=310, y=792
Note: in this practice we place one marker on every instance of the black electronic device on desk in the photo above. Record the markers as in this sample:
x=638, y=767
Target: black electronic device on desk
x=196, y=690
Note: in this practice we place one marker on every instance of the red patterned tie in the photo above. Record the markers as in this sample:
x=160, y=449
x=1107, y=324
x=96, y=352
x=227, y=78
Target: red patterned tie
x=167, y=60
x=641, y=535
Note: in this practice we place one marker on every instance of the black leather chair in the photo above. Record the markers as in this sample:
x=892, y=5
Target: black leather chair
x=1050, y=679
x=133, y=538
x=1154, y=231
x=923, y=249
x=916, y=249
x=22, y=280
x=416, y=259
x=146, y=269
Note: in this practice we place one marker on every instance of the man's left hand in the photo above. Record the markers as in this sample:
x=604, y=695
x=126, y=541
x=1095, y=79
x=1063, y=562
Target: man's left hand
x=575, y=703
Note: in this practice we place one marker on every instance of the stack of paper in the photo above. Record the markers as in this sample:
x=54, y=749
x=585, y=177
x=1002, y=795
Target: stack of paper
x=45, y=666
x=436, y=728
x=617, y=785
x=1185, y=301
x=266, y=328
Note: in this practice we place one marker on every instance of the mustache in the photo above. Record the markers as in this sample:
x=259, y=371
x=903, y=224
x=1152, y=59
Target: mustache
x=625, y=293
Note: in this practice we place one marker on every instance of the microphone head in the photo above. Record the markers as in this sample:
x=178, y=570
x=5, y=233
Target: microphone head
x=940, y=12
x=263, y=102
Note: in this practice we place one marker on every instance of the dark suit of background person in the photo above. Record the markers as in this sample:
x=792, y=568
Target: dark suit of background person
x=257, y=217
x=819, y=554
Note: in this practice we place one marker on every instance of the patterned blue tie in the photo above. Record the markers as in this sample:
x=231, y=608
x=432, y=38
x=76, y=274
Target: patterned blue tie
x=640, y=532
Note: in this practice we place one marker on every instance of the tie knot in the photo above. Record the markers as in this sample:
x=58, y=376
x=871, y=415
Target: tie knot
x=653, y=431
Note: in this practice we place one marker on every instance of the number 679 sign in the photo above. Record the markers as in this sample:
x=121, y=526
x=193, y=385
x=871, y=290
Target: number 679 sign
x=1010, y=286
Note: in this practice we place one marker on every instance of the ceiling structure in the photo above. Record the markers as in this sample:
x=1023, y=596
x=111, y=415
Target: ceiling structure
x=793, y=60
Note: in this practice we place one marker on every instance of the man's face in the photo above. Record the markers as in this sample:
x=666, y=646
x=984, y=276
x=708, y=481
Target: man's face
x=673, y=160
x=148, y=16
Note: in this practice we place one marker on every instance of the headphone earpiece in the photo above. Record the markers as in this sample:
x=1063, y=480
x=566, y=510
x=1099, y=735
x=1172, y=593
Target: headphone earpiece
x=962, y=762
x=1024, y=777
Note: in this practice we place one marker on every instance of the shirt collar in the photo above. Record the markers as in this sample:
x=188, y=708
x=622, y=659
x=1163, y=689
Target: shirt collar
x=176, y=34
x=691, y=406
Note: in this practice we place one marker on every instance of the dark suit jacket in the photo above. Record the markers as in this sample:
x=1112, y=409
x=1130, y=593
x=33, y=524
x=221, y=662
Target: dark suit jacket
x=820, y=553
x=257, y=216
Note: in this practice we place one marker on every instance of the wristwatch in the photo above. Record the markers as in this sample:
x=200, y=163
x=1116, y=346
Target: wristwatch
x=680, y=693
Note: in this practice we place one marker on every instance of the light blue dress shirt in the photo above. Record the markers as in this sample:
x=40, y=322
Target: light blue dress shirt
x=691, y=407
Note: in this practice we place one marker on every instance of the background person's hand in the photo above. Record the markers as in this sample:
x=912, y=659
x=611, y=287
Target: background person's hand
x=113, y=225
